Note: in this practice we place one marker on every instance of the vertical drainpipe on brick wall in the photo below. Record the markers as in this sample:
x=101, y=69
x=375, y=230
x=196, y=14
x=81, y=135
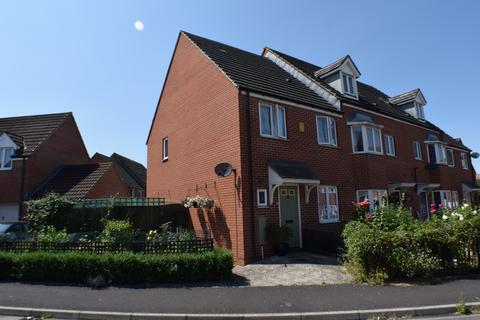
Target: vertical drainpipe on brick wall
x=250, y=173
x=22, y=187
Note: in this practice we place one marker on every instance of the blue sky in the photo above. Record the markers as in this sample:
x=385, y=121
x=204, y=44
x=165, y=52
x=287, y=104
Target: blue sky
x=87, y=57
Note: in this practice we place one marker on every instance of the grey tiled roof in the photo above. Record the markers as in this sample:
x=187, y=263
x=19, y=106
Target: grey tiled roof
x=370, y=98
x=74, y=181
x=33, y=130
x=404, y=97
x=293, y=170
x=257, y=73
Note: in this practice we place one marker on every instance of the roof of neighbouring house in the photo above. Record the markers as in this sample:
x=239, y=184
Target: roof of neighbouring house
x=404, y=97
x=133, y=173
x=257, y=73
x=73, y=181
x=31, y=131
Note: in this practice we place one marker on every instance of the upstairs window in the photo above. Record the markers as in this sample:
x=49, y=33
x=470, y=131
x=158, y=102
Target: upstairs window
x=349, y=85
x=6, y=158
x=417, y=150
x=165, y=149
x=366, y=139
x=326, y=131
x=419, y=111
x=436, y=153
x=272, y=121
x=389, y=145
x=450, y=158
x=328, y=204
x=463, y=157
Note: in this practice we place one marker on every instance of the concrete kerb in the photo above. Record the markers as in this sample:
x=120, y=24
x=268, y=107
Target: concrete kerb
x=331, y=315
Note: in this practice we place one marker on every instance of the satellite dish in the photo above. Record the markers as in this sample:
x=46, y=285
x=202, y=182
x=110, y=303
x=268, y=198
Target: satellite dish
x=224, y=169
x=475, y=155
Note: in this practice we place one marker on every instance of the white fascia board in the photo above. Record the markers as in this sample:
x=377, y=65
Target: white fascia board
x=312, y=85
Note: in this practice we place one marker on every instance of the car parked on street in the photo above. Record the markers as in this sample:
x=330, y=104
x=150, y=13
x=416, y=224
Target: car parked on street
x=13, y=230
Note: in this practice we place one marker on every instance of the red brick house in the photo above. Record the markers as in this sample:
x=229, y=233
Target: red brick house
x=44, y=153
x=305, y=142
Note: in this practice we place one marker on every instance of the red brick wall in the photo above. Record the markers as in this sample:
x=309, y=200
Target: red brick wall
x=199, y=113
x=109, y=185
x=64, y=146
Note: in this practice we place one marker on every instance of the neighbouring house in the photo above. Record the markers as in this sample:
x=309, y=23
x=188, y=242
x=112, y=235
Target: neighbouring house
x=84, y=181
x=30, y=148
x=132, y=173
x=305, y=141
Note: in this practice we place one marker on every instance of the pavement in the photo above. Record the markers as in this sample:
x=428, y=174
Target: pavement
x=209, y=300
x=295, y=269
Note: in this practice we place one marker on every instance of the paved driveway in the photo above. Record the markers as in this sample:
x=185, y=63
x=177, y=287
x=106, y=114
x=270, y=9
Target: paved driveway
x=295, y=269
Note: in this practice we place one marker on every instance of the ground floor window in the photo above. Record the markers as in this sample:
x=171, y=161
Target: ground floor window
x=448, y=198
x=328, y=204
x=376, y=197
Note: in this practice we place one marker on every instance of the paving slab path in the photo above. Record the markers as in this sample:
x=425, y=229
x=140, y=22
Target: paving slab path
x=295, y=269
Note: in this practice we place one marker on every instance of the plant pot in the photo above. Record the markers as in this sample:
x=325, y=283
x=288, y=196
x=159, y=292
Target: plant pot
x=280, y=249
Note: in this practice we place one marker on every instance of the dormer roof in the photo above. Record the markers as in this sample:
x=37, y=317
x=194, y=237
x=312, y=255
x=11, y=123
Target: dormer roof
x=413, y=95
x=16, y=139
x=337, y=66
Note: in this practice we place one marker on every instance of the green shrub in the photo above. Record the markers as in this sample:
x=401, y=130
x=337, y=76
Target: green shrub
x=124, y=268
x=49, y=210
x=116, y=231
x=392, y=245
x=50, y=234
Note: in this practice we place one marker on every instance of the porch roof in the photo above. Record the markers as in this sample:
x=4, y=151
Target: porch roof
x=284, y=172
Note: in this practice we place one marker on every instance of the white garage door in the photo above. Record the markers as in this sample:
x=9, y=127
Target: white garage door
x=8, y=212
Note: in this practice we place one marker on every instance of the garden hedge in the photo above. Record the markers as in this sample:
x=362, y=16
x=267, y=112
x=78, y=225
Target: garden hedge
x=123, y=268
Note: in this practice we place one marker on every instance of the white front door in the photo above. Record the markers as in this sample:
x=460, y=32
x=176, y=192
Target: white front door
x=8, y=212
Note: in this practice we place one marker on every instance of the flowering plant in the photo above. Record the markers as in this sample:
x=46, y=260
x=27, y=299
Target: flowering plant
x=465, y=211
x=198, y=202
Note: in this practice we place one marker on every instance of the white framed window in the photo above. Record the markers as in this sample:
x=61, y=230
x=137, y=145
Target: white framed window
x=450, y=158
x=417, y=150
x=389, y=142
x=349, y=84
x=377, y=197
x=366, y=139
x=165, y=149
x=326, y=131
x=464, y=159
x=436, y=153
x=273, y=122
x=419, y=111
x=328, y=204
x=6, y=154
x=262, y=198
x=448, y=198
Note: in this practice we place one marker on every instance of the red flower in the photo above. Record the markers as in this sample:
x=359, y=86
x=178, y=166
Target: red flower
x=433, y=205
x=433, y=211
x=369, y=217
x=441, y=205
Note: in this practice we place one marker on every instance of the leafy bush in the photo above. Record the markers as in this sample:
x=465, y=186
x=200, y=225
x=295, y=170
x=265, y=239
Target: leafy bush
x=122, y=268
x=116, y=231
x=47, y=211
x=392, y=245
x=50, y=234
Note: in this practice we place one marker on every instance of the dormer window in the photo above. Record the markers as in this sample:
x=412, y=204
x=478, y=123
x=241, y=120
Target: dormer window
x=6, y=158
x=419, y=111
x=349, y=84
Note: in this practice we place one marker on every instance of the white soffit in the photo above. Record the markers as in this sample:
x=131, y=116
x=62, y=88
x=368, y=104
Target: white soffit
x=312, y=85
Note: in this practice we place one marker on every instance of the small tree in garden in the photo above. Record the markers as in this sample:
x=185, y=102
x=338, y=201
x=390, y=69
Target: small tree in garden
x=117, y=231
x=47, y=210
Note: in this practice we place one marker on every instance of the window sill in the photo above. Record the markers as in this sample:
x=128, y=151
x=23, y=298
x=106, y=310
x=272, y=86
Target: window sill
x=262, y=206
x=5, y=169
x=274, y=138
x=329, y=221
x=368, y=152
x=328, y=145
